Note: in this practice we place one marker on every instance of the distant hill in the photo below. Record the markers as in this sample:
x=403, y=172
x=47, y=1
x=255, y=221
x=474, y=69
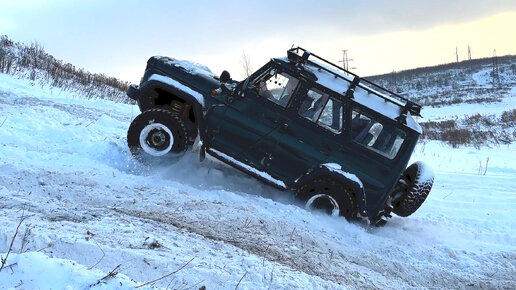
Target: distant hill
x=469, y=81
x=473, y=83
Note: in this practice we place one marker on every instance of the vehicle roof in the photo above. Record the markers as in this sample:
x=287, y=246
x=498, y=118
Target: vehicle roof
x=363, y=94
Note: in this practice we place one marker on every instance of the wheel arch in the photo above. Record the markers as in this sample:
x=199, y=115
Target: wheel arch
x=155, y=93
x=348, y=179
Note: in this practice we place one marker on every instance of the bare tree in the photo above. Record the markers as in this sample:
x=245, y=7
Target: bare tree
x=247, y=68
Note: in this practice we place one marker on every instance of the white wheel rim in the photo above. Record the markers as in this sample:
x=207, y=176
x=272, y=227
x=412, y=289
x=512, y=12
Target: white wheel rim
x=335, y=210
x=148, y=148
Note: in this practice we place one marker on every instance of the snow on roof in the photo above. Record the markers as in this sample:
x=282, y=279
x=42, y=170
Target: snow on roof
x=413, y=124
x=189, y=66
x=381, y=103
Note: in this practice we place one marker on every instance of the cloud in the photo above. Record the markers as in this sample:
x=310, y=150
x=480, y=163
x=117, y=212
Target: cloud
x=215, y=32
x=386, y=16
x=353, y=17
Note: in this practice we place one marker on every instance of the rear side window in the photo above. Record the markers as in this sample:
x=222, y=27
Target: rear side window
x=382, y=138
x=320, y=108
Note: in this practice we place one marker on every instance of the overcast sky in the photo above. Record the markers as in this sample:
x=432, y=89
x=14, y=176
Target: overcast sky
x=117, y=37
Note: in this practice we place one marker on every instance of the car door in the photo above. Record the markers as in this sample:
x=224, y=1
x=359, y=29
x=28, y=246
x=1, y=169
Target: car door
x=245, y=127
x=314, y=133
x=231, y=126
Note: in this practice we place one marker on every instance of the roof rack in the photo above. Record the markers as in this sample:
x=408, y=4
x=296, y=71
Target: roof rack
x=408, y=106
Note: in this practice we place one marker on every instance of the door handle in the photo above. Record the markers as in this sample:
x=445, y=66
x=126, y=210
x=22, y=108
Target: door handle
x=283, y=127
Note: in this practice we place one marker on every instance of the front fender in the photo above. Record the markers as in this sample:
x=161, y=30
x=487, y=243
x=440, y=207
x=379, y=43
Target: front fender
x=144, y=93
x=335, y=171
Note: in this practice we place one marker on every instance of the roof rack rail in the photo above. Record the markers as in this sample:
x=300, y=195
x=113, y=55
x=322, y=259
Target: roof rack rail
x=408, y=106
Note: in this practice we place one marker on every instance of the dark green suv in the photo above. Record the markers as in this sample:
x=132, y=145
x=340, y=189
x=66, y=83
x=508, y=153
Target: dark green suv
x=340, y=142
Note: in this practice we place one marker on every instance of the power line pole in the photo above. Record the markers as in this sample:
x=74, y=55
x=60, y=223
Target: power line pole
x=345, y=60
x=496, y=76
x=394, y=78
x=469, y=52
x=457, y=53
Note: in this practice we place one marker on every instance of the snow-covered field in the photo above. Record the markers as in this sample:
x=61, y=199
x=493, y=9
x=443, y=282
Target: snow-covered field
x=88, y=207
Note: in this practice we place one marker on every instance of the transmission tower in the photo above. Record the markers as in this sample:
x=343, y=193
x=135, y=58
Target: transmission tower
x=496, y=76
x=345, y=60
x=394, y=78
x=469, y=52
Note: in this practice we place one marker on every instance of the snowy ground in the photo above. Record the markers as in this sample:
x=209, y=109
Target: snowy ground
x=462, y=110
x=65, y=167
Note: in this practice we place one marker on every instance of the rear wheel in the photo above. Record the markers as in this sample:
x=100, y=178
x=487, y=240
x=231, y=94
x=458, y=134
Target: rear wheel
x=412, y=189
x=329, y=196
x=157, y=132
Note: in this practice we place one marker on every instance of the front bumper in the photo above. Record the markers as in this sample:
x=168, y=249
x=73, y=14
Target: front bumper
x=133, y=92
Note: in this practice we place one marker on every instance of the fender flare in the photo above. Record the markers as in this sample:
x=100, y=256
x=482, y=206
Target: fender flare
x=148, y=89
x=333, y=170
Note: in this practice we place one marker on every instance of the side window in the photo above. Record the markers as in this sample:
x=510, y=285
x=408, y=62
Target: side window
x=331, y=116
x=382, y=138
x=319, y=107
x=313, y=104
x=277, y=87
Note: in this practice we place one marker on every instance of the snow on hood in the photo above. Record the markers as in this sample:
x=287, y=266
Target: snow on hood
x=189, y=66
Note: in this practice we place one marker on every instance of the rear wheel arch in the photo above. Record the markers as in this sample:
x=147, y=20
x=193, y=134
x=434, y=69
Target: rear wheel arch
x=355, y=188
x=329, y=194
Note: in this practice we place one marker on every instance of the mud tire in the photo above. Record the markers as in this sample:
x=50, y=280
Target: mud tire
x=327, y=186
x=413, y=189
x=167, y=120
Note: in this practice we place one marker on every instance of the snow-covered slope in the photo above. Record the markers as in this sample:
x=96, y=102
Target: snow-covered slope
x=471, y=102
x=472, y=81
x=65, y=167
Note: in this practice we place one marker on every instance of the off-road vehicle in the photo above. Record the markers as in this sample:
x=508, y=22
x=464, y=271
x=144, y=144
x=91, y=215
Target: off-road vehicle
x=300, y=123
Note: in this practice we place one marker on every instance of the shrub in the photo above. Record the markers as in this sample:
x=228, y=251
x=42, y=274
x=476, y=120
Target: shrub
x=478, y=119
x=456, y=136
x=508, y=117
x=33, y=62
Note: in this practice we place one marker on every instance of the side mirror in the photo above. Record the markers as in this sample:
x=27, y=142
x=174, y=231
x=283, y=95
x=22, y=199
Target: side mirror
x=224, y=77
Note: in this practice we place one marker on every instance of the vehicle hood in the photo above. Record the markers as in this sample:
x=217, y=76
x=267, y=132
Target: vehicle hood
x=193, y=75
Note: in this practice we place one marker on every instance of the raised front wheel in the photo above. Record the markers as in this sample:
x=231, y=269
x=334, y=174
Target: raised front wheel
x=157, y=132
